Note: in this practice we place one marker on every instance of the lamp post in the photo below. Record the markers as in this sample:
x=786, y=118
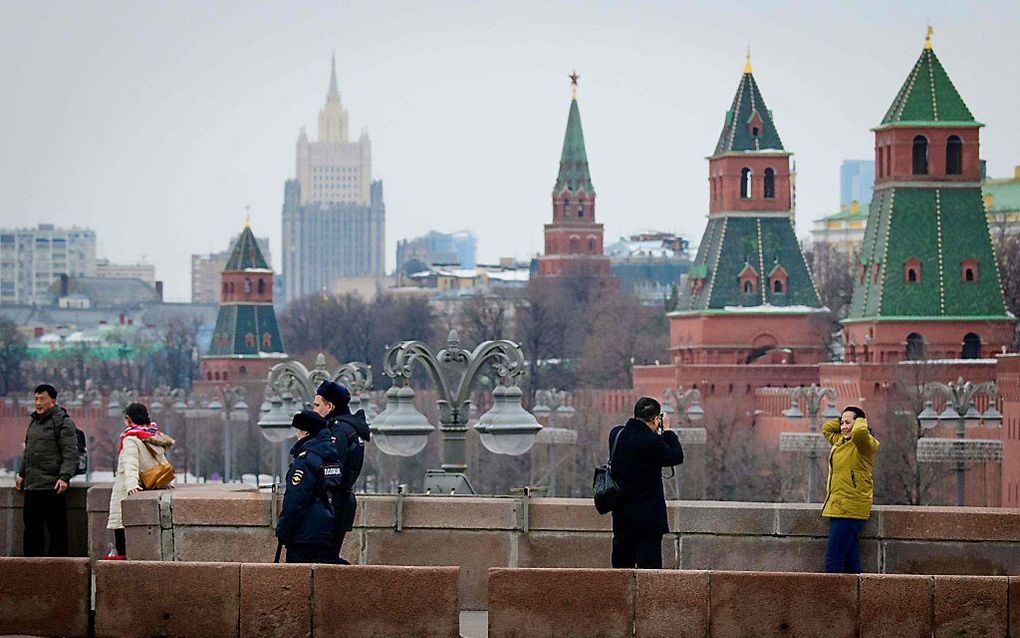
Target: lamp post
x=811, y=443
x=552, y=405
x=960, y=410
x=234, y=409
x=507, y=428
x=290, y=388
x=685, y=405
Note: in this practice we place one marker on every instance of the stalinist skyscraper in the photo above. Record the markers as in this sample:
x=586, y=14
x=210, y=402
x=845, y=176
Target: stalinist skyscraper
x=333, y=213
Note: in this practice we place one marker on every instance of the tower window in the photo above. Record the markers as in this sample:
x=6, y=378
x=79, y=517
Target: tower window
x=777, y=286
x=920, y=155
x=249, y=340
x=262, y=286
x=748, y=286
x=915, y=347
x=267, y=341
x=971, y=346
x=912, y=271
x=745, y=183
x=770, y=183
x=969, y=270
x=954, y=156
x=591, y=245
x=754, y=131
x=247, y=286
x=580, y=211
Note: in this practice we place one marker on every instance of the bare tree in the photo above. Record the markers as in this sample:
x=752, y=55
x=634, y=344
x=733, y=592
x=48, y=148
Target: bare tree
x=13, y=352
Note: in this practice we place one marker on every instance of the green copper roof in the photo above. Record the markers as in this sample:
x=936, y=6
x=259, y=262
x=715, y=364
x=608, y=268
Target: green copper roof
x=940, y=228
x=573, y=174
x=246, y=253
x=1001, y=195
x=848, y=213
x=732, y=243
x=748, y=106
x=928, y=97
x=245, y=330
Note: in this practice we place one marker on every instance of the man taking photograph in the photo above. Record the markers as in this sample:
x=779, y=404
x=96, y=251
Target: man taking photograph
x=643, y=446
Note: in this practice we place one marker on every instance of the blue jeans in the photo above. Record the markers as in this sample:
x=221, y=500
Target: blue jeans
x=842, y=555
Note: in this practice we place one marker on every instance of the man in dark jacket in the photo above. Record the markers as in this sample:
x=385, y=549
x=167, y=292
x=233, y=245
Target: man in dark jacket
x=306, y=521
x=51, y=455
x=639, y=519
x=350, y=431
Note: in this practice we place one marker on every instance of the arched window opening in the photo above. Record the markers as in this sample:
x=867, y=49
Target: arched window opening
x=754, y=131
x=243, y=370
x=968, y=275
x=777, y=286
x=267, y=342
x=591, y=244
x=971, y=346
x=247, y=286
x=911, y=275
x=748, y=286
x=262, y=286
x=580, y=210
x=770, y=183
x=566, y=208
x=912, y=271
x=915, y=347
x=745, y=183
x=954, y=155
x=573, y=245
x=920, y=155
x=249, y=340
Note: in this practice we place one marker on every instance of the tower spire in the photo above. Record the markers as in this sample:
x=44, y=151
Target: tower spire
x=574, y=77
x=747, y=60
x=334, y=92
x=927, y=37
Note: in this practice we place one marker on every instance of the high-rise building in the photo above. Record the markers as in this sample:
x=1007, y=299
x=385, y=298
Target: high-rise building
x=32, y=259
x=435, y=247
x=206, y=270
x=573, y=240
x=856, y=182
x=928, y=285
x=333, y=212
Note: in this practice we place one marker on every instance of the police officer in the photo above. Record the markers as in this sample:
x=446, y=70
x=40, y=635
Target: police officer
x=350, y=431
x=306, y=525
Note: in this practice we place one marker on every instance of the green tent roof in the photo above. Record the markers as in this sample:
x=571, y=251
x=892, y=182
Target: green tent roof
x=737, y=133
x=1001, y=195
x=573, y=175
x=246, y=253
x=928, y=97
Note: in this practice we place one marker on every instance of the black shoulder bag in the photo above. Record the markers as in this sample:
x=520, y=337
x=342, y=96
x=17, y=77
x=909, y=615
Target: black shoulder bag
x=603, y=485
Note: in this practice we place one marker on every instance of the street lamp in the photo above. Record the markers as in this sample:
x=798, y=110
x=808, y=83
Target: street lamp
x=234, y=409
x=507, y=428
x=291, y=387
x=553, y=406
x=811, y=442
x=959, y=409
x=685, y=405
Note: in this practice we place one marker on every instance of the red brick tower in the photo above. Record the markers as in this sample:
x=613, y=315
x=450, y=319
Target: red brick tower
x=573, y=240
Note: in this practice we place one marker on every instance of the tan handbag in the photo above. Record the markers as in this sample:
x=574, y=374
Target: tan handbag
x=158, y=477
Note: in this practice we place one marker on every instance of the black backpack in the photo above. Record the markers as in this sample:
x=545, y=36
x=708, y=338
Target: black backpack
x=83, y=452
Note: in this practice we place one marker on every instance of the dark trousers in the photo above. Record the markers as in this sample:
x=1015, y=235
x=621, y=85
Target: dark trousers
x=310, y=554
x=842, y=554
x=120, y=541
x=45, y=511
x=643, y=553
x=346, y=506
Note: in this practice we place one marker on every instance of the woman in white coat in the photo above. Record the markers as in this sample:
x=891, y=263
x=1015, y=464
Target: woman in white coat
x=142, y=447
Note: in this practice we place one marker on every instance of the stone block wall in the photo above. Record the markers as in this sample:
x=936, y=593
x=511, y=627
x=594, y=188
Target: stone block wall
x=686, y=604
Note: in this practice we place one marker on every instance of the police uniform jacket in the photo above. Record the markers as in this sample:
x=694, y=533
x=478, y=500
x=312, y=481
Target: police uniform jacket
x=349, y=431
x=637, y=468
x=307, y=517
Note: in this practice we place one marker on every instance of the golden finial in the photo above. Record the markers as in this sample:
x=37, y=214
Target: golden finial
x=747, y=60
x=927, y=37
x=574, y=77
x=247, y=216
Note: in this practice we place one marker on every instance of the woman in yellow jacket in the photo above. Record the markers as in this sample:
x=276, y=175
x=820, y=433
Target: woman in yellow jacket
x=850, y=488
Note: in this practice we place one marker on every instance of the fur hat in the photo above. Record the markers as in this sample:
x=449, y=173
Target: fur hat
x=335, y=393
x=308, y=421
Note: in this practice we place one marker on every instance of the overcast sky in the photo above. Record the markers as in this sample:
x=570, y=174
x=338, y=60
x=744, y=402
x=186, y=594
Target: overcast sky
x=156, y=123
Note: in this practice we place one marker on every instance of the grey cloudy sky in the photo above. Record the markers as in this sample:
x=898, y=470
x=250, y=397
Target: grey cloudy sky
x=157, y=122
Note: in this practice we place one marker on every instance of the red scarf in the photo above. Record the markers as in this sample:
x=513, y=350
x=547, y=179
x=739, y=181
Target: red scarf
x=141, y=431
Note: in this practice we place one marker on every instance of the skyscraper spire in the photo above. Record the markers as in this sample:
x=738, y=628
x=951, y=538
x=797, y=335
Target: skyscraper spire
x=334, y=92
